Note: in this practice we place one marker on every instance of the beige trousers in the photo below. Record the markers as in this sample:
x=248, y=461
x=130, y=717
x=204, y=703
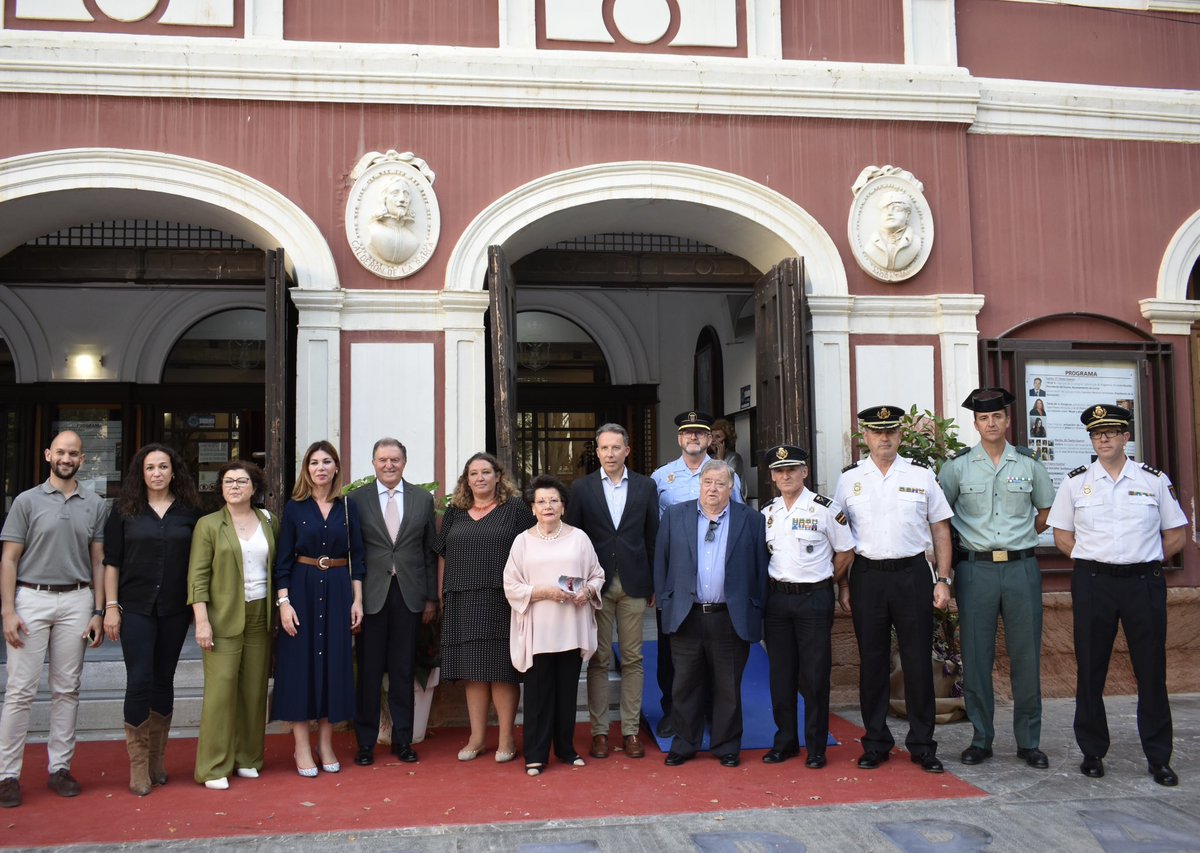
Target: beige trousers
x=627, y=612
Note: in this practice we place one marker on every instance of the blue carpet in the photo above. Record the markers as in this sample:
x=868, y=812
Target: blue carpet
x=758, y=723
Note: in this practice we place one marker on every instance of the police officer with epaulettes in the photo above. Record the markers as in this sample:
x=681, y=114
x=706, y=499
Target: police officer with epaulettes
x=1119, y=520
x=897, y=512
x=804, y=533
x=1001, y=496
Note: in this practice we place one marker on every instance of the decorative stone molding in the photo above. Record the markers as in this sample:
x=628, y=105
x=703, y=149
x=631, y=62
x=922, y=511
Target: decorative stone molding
x=1170, y=316
x=891, y=225
x=392, y=215
x=1171, y=312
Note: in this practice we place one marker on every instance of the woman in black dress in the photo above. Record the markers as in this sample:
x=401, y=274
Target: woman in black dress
x=147, y=541
x=484, y=517
x=319, y=567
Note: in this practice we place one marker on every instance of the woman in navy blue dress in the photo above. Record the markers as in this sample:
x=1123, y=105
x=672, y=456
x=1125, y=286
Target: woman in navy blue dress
x=319, y=569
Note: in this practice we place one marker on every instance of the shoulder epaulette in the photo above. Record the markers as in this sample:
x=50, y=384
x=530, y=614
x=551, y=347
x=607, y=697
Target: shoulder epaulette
x=1025, y=451
x=1078, y=471
x=848, y=467
x=962, y=452
x=1153, y=471
x=921, y=464
x=822, y=500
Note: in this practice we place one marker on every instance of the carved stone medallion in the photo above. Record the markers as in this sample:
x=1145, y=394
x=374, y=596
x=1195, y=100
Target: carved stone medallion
x=891, y=225
x=392, y=215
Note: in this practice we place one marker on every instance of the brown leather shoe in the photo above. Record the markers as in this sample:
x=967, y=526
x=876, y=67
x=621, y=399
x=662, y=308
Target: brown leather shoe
x=633, y=747
x=10, y=793
x=600, y=746
x=63, y=783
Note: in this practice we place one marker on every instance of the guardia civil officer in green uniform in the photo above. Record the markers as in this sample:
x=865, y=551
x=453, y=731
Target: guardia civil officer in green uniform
x=1001, y=496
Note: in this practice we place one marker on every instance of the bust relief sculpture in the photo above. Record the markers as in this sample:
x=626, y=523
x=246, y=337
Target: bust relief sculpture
x=891, y=225
x=392, y=216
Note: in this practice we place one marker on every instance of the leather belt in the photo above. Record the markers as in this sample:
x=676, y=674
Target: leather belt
x=712, y=608
x=55, y=587
x=998, y=556
x=323, y=563
x=798, y=588
x=896, y=565
x=1119, y=570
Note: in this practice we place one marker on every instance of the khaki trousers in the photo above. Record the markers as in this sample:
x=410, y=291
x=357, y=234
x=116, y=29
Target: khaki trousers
x=56, y=622
x=233, y=717
x=627, y=611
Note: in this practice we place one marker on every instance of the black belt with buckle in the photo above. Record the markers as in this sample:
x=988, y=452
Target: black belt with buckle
x=1119, y=570
x=798, y=588
x=998, y=556
x=889, y=565
x=720, y=607
x=55, y=587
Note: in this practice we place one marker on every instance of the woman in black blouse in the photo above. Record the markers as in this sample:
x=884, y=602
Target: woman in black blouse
x=147, y=541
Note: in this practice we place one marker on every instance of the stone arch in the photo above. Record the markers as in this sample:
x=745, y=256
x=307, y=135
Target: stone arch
x=729, y=211
x=1179, y=259
x=624, y=350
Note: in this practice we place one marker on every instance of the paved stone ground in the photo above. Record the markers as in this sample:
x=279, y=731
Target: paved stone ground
x=1025, y=810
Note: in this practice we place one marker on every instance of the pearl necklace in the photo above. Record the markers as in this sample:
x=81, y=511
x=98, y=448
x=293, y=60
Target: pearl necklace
x=557, y=532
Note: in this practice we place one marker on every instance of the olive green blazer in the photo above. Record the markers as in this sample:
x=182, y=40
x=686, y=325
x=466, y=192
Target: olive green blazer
x=215, y=570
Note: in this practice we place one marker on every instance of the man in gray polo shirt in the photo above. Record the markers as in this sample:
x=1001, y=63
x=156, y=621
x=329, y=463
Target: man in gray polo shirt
x=51, y=588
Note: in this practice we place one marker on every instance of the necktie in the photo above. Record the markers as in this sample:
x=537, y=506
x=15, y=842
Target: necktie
x=391, y=515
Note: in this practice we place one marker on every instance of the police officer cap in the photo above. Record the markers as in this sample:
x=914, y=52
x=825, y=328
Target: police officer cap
x=785, y=456
x=694, y=420
x=1106, y=416
x=988, y=400
x=881, y=417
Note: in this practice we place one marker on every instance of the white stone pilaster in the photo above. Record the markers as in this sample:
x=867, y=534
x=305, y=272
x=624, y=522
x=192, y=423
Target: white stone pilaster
x=318, y=366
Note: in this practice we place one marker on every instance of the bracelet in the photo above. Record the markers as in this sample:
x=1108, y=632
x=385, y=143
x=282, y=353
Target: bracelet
x=115, y=604
x=282, y=601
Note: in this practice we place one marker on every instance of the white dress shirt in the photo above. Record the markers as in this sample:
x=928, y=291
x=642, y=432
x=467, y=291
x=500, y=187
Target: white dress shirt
x=890, y=514
x=615, y=495
x=803, y=539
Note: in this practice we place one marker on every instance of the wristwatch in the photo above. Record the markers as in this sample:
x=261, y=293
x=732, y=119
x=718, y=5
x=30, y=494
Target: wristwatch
x=946, y=581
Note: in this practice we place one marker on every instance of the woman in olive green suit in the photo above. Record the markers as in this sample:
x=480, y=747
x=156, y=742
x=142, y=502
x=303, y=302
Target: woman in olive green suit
x=229, y=588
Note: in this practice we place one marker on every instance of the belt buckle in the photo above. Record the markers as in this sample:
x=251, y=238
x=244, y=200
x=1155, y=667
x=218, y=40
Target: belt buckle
x=322, y=562
x=999, y=556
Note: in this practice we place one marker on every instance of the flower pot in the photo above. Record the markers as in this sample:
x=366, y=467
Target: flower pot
x=422, y=702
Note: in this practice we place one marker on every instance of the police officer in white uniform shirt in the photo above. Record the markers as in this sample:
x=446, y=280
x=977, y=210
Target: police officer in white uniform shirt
x=804, y=532
x=897, y=512
x=1119, y=520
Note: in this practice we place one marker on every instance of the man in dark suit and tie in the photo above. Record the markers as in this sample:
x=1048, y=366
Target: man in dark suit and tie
x=710, y=577
x=399, y=593
x=618, y=510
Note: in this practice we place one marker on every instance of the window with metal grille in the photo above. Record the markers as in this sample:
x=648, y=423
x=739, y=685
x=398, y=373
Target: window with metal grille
x=629, y=242
x=142, y=234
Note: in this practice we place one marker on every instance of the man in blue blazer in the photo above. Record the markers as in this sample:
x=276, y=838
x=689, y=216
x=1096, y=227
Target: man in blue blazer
x=618, y=510
x=710, y=577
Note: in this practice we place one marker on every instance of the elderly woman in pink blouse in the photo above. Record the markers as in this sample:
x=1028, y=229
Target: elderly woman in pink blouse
x=553, y=583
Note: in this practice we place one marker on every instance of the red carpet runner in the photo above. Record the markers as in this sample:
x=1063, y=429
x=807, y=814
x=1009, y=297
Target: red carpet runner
x=438, y=791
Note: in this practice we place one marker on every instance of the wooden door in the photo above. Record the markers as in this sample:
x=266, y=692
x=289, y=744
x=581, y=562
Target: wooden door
x=783, y=370
x=502, y=307
x=279, y=386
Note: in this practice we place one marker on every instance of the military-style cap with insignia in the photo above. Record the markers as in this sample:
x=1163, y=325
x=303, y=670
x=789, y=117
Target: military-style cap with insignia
x=989, y=400
x=694, y=420
x=1106, y=416
x=881, y=417
x=785, y=456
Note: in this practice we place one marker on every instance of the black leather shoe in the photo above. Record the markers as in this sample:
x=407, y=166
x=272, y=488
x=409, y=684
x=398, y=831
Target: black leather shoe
x=778, y=756
x=815, y=762
x=1034, y=757
x=1092, y=766
x=674, y=759
x=10, y=793
x=730, y=760
x=976, y=754
x=63, y=783
x=365, y=756
x=929, y=762
x=664, y=730
x=405, y=753
x=872, y=759
x=1164, y=775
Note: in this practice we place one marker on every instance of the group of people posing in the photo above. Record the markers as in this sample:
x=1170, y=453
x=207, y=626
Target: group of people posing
x=530, y=589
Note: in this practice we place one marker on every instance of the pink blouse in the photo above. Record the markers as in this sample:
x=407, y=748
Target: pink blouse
x=545, y=626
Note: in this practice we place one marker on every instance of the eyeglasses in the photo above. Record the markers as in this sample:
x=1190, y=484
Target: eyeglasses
x=711, y=535
x=240, y=482
x=1110, y=434
x=547, y=502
